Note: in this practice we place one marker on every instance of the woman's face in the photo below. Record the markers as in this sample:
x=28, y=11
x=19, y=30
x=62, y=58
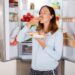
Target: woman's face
x=45, y=15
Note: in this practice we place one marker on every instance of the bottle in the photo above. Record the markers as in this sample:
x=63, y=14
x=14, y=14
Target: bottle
x=31, y=10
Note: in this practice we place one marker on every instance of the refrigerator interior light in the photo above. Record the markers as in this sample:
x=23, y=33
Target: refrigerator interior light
x=0, y=13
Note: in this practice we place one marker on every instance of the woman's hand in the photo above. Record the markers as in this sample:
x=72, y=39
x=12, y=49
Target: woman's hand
x=41, y=42
x=33, y=33
x=34, y=21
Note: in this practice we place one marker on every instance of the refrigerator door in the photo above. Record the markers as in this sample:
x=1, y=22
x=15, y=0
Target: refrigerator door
x=69, y=30
x=1, y=29
x=7, y=51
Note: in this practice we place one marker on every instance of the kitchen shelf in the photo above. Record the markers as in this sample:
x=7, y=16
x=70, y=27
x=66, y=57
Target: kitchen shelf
x=68, y=19
x=15, y=4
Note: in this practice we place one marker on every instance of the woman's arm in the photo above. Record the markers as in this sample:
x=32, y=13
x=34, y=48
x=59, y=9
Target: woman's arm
x=41, y=42
x=55, y=52
x=22, y=36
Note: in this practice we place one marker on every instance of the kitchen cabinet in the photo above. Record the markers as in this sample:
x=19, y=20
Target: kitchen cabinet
x=69, y=68
x=15, y=67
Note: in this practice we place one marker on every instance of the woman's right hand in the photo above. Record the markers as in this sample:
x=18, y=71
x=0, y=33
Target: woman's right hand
x=34, y=21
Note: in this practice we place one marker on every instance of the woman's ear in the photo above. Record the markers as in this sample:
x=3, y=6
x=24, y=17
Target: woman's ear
x=51, y=16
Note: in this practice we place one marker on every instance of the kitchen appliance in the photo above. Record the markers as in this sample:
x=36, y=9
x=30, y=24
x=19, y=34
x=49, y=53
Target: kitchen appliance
x=11, y=13
x=68, y=30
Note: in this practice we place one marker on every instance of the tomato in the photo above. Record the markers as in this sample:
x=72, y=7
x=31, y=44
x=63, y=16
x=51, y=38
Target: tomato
x=27, y=17
x=28, y=14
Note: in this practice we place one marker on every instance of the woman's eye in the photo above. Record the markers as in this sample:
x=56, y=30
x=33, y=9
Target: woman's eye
x=44, y=13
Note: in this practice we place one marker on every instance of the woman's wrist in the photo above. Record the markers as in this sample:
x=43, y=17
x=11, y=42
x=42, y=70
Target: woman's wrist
x=28, y=25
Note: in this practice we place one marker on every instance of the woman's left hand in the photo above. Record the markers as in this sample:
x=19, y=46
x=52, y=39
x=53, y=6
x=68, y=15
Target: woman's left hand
x=41, y=42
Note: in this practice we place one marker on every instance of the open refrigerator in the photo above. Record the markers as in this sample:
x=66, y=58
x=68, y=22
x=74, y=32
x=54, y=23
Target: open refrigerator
x=11, y=14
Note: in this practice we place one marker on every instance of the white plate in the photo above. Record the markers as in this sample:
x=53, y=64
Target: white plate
x=38, y=36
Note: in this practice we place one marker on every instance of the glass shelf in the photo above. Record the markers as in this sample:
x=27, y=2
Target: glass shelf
x=13, y=3
x=68, y=19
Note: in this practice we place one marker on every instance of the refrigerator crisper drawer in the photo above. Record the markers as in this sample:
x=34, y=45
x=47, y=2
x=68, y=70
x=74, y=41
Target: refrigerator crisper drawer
x=69, y=53
x=25, y=50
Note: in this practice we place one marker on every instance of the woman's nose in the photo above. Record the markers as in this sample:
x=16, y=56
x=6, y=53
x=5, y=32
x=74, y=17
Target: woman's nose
x=41, y=15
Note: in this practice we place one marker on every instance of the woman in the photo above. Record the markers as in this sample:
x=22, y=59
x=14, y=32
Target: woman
x=46, y=52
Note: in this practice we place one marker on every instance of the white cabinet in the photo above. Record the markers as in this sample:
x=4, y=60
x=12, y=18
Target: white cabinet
x=69, y=68
x=8, y=68
x=15, y=67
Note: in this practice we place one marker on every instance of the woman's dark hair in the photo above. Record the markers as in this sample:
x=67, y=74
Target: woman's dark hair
x=52, y=25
